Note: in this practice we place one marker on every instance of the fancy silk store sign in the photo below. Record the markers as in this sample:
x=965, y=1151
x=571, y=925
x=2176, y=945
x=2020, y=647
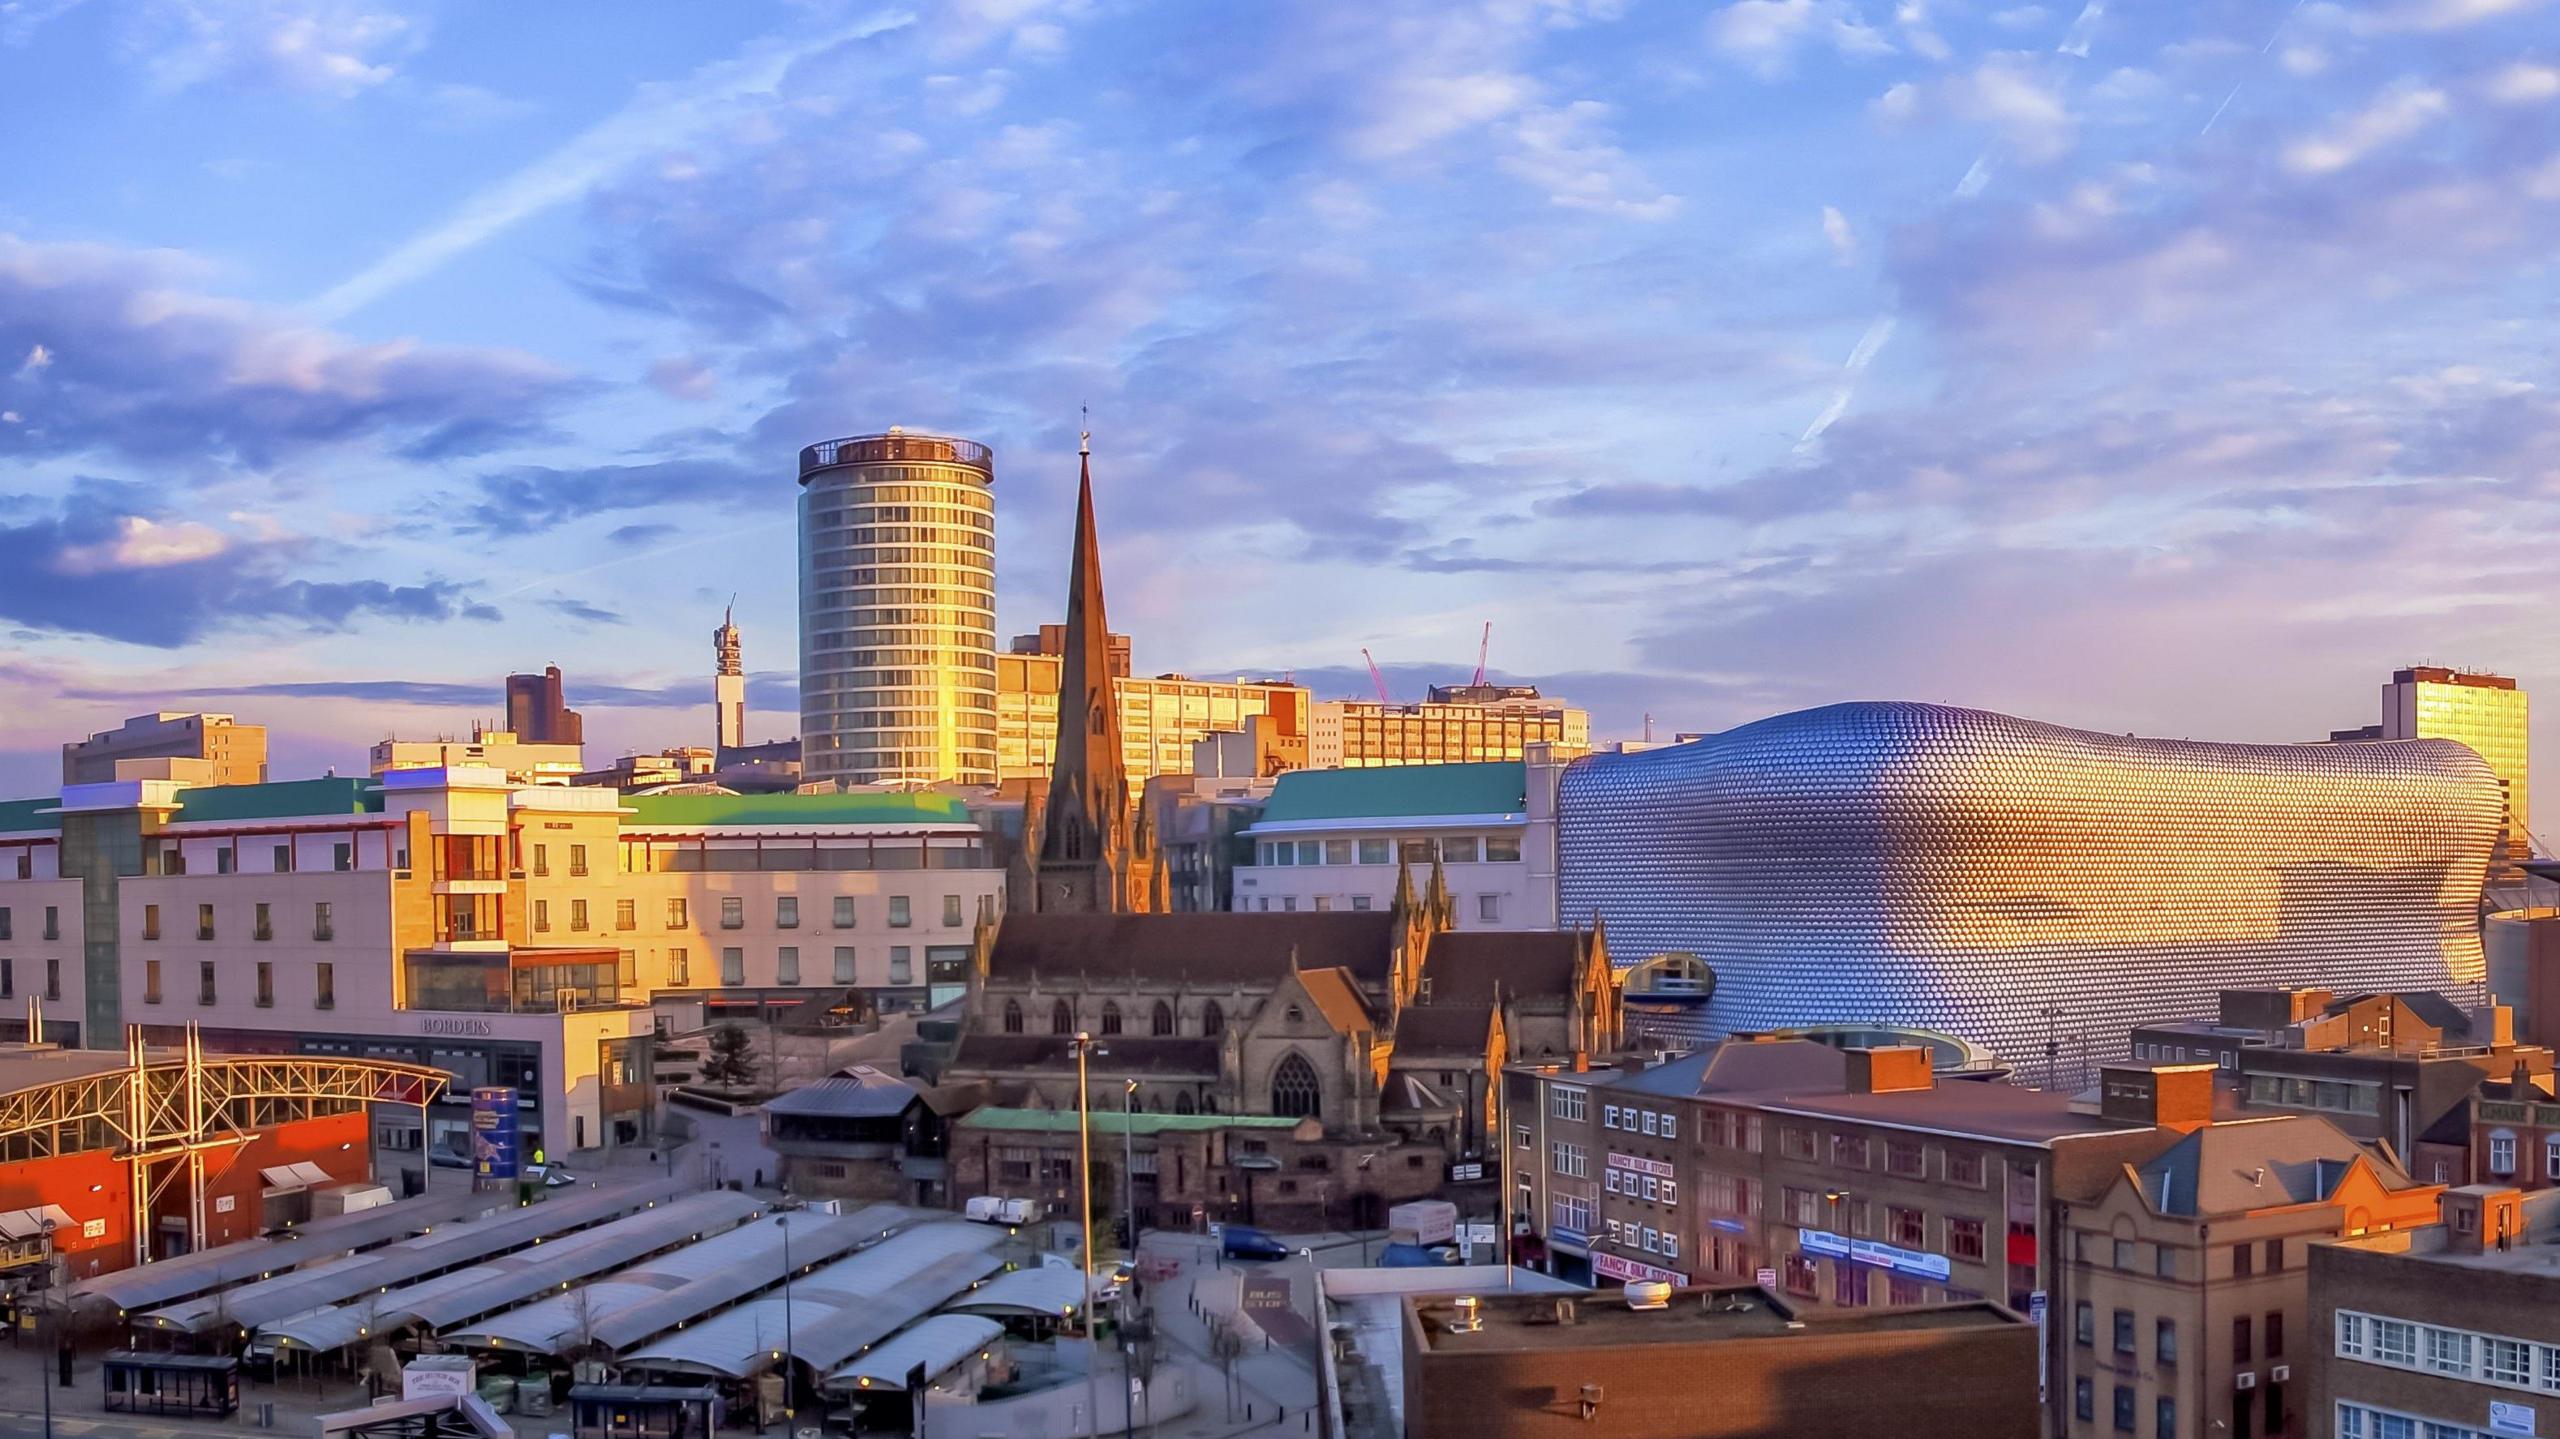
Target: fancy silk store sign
x=1869, y=1251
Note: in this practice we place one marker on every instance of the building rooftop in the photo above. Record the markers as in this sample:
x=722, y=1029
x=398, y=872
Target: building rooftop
x=1495, y=787
x=708, y=811
x=1207, y=949
x=28, y=816
x=281, y=799
x=2234, y=1166
x=1111, y=1121
x=1513, y=1322
x=2535, y=1253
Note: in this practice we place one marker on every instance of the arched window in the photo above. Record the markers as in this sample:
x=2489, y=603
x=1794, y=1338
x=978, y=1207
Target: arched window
x=1294, y=1091
x=1110, y=1017
x=1182, y=1102
x=1012, y=1017
x=1062, y=1020
x=1213, y=1023
x=1164, y=1018
x=1297, y=1015
x=1137, y=1102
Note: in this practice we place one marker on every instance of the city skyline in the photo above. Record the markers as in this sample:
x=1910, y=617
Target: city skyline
x=2164, y=372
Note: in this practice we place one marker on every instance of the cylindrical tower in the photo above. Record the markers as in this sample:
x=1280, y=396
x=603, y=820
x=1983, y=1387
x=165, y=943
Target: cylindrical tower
x=898, y=610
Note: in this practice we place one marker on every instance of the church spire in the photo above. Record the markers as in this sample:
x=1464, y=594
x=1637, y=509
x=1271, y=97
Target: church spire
x=1086, y=859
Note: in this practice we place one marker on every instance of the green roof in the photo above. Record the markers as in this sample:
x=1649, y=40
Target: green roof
x=1488, y=787
x=1110, y=1121
x=19, y=815
x=285, y=799
x=917, y=808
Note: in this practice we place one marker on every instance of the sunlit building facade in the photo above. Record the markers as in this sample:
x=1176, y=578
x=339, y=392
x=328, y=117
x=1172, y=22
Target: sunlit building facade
x=897, y=610
x=1354, y=734
x=1161, y=716
x=2023, y=885
x=2484, y=711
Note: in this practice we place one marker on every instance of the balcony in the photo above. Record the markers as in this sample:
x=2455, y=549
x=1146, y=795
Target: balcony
x=877, y=449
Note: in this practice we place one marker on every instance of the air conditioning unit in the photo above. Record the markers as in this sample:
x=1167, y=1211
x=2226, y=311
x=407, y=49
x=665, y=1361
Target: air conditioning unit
x=2245, y=1381
x=2280, y=1374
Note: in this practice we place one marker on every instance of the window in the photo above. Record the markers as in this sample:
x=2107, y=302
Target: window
x=899, y=917
x=2124, y=1331
x=262, y=922
x=204, y=983
x=2275, y=1256
x=2164, y=1341
x=541, y=915
x=342, y=857
x=8, y=978
x=1162, y=1022
x=2241, y=1349
x=2551, y=1156
x=1796, y=1143
x=541, y=860
x=1295, y=1093
x=1848, y=1285
x=578, y=916
x=1564, y=1102
x=733, y=966
x=1964, y=1167
x=1012, y=1016
x=2275, y=1336
x=53, y=921
x=1800, y=1274
x=2124, y=1408
x=204, y=922
x=1360, y=902
x=151, y=981
x=786, y=964
x=2241, y=1267
x=844, y=969
x=5, y=931
x=676, y=918
x=325, y=986
x=1213, y=1020
x=284, y=859
x=150, y=921
x=2350, y=1335
x=2395, y=1342
x=1569, y=1160
x=1372, y=851
x=1573, y=1214
x=1652, y=1122
x=2164, y=1418
x=1849, y=1151
x=1671, y=1126
x=2449, y=1351
x=1501, y=848
x=2506, y=1361
x=1608, y=1116
x=2502, y=1153
x=1062, y=1020
x=679, y=966
x=1110, y=1017
x=733, y=912
x=577, y=861
x=2164, y=1261
x=902, y=966
x=2084, y=1402
x=1905, y=1157
x=1489, y=908
x=266, y=984
x=1670, y=1191
x=1909, y=1227
x=1800, y=1207
x=1964, y=1239
x=786, y=911
x=1337, y=851
x=844, y=911
x=951, y=911
x=626, y=914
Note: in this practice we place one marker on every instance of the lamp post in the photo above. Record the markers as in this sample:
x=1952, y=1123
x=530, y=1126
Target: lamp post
x=1084, y=1183
x=1128, y=1208
x=42, y=1357
x=789, y=1414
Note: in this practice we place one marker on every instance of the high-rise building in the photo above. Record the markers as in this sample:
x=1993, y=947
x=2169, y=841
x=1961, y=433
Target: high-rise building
x=538, y=713
x=1095, y=855
x=1162, y=717
x=1458, y=725
x=897, y=610
x=728, y=685
x=2484, y=711
x=2021, y=884
x=197, y=748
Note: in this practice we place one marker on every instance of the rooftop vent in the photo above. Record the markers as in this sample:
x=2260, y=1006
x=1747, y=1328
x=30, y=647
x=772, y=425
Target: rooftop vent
x=1648, y=1294
x=1470, y=1318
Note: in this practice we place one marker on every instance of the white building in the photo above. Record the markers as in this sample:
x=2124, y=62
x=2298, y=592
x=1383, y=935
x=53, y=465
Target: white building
x=1333, y=839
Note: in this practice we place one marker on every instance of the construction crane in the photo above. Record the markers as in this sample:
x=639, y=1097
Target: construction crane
x=1484, y=646
x=1376, y=678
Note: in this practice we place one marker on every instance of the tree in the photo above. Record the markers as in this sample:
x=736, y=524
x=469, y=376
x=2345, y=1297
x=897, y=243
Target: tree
x=731, y=1061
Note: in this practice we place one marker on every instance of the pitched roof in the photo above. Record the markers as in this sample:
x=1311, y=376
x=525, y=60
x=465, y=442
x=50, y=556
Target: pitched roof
x=1469, y=964
x=1743, y=1066
x=1111, y=1121
x=1394, y=791
x=2232, y=1167
x=1208, y=949
x=1336, y=996
x=1406, y=1092
x=1127, y=1054
x=862, y=1093
x=1444, y=1028
x=711, y=811
x=2426, y=1004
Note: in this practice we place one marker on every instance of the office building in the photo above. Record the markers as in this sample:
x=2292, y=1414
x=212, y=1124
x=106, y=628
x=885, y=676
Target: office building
x=2515, y=1134
x=897, y=610
x=1333, y=839
x=521, y=760
x=2184, y=1293
x=524, y=935
x=2009, y=882
x=679, y=765
x=538, y=712
x=728, y=685
x=2451, y=1331
x=172, y=744
x=1355, y=734
x=2486, y=712
x=1163, y=718
x=1706, y=1363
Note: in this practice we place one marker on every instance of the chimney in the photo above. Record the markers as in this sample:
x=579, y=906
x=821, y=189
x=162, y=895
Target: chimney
x=2482, y=1218
x=1893, y=1069
x=2169, y=1096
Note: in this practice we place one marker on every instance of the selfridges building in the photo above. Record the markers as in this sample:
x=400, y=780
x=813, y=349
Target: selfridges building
x=2019, y=884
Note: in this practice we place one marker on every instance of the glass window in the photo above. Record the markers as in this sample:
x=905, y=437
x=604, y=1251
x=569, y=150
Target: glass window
x=2164, y=1418
x=676, y=918
x=1337, y=851
x=1964, y=1240
x=844, y=911
x=679, y=967
x=2124, y=1331
x=577, y=861
x=733, y=912
x=151, y=981
x=324, y=993
x=1501, y=848
x=578, y=915
x=844, y=974
x=951, y=911
x=626, y=914
x=1310, y=851
x=2124, y=1254
x=541, y=915
x=266, y=985
x=786, y=911
x=899, y=917
x=2449, y=1351
x=786, y=966
x=1489, y=908
x=2164, y=1341
x=2124, y=1408
x=1459, y=849
x=901, y=964
x=1373, y=851
x=204, y=983
x=733, y=966
x=2084, y=1324
x=2350, y=1335
x=541, y=860
x=1362, y=902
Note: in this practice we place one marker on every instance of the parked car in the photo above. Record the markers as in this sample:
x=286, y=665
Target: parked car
x=1239, y=1242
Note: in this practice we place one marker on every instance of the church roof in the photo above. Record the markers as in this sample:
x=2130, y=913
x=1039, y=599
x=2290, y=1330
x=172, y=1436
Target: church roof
x=1444, y=1028
x=1407, y=1092
x=1468, y=964
x=1337, y=997
x=1249, y=950
x=1128, y=1054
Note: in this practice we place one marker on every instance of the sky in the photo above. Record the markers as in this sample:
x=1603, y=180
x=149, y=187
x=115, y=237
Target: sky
x=2179, y=368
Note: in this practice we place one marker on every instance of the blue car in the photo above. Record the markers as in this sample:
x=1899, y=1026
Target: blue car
x=1239, y=1242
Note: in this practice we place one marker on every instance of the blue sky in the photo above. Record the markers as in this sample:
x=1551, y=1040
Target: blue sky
x=2167, y=367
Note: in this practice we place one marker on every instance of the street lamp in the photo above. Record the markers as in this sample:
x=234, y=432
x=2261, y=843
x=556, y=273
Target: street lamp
x=789, y=1414
x=1084, y=1182
x=41, y=1356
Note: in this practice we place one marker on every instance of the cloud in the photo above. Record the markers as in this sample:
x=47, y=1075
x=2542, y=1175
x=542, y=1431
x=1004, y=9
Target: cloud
x=660, y=116
x=2012, y=94
x=1764, y=36
x=2440, y=15
x=682, y=377
x=2394, y=116
x=331, y=49
x=126, y=356
x=102, y=562
x=1843, y=240
x=1564, y=151
x=2524, y=83
x=580, y=611
x=533, y=498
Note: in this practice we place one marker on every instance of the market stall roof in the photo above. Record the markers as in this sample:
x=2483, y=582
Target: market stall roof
x=1047, y=1292
x=938, y=1343
x=164, y=1280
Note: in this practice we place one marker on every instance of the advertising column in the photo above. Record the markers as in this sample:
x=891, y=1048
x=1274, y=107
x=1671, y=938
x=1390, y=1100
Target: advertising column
x=494, y=1137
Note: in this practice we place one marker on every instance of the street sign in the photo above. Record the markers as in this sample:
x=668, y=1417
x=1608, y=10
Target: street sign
x=1766, y=1278
x=1466, y=1173
x=1480, y=1234
x=2035, y=1306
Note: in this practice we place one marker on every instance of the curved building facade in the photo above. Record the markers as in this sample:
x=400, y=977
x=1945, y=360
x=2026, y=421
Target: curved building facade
x=898, y=610
x=2016, y=883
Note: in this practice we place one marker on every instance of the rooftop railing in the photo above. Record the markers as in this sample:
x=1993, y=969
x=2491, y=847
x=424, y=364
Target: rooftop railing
x=877, y=449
